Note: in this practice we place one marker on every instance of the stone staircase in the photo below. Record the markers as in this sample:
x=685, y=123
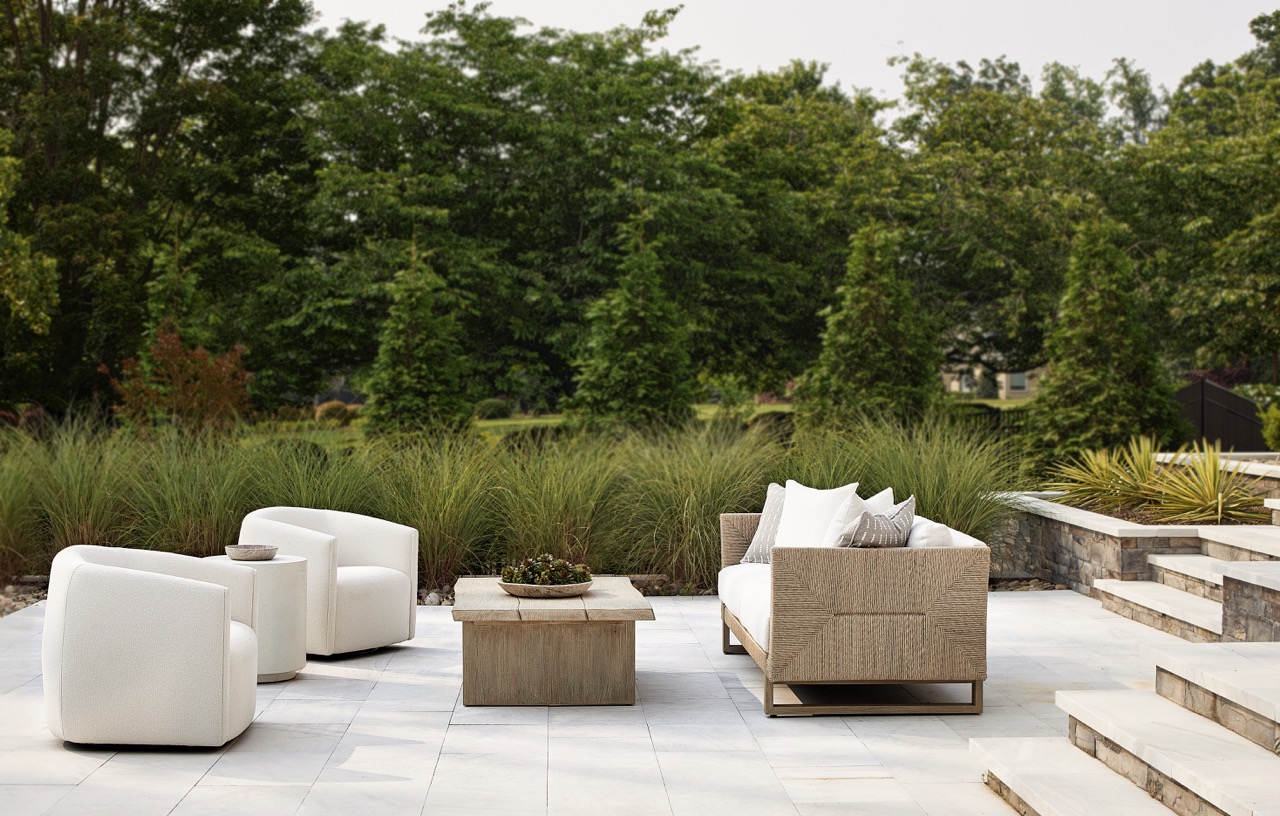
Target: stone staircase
x=1230, y=591
x=1206, y=742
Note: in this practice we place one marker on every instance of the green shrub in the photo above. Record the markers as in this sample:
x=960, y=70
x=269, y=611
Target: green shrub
x=1271, y=426
x=335, y=411
x=493, y=409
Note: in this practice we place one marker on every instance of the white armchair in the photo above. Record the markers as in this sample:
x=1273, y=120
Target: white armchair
x=149, y=648
x=362, y=574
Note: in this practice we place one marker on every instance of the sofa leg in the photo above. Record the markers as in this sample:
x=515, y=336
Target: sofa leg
x=725, y=645
x=768, y=699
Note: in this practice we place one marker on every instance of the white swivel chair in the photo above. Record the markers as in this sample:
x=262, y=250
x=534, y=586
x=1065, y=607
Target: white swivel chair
x=362, y=574
x=149, y=648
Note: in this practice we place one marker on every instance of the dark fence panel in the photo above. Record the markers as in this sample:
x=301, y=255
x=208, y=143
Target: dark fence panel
x=1007, y=422
x=1219, y=414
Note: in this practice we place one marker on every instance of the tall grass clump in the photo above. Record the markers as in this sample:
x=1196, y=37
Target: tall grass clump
x=560, y=497
x=21, y=545
x=299, y=473
x=84, y=478
x=191, y=492
x=824, y=457
x=676, y=485
x=959, y=477
x=445, y=488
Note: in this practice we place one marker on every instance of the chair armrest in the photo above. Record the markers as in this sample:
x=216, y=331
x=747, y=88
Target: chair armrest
x=321, y=551
x=896, y=614
x=122, y=643
x=736, y=532
x=375, y=542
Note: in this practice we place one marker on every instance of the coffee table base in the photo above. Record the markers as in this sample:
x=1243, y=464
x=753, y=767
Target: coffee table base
x=548, y=663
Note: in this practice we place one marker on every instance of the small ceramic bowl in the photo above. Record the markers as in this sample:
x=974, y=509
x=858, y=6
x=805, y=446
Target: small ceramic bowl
x=251, y=552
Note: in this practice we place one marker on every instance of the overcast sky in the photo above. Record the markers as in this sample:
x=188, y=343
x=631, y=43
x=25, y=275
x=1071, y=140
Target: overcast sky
x=1166, y=38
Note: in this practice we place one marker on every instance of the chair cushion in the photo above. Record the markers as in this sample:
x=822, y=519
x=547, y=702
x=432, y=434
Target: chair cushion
x=372, y=608
x=746, y=590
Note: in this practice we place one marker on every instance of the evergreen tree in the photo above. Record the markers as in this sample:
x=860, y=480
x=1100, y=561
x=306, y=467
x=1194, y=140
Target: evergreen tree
x=1105, y=382
x=418, y=379
x=878, y=353
x=636, y=369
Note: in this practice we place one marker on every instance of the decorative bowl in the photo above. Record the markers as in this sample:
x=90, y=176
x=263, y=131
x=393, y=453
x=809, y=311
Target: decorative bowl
x=251, y=552
x=545, y=590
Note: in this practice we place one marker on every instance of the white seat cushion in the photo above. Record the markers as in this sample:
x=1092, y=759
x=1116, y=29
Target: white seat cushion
x=746, y=591
x=372, y=608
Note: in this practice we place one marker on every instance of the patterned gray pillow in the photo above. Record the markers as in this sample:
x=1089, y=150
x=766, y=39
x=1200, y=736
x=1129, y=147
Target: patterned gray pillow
x=875, y=530
x=767, y=532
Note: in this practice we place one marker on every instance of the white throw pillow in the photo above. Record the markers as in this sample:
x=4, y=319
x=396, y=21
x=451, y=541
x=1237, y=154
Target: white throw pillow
x=881, y=502
x=767, y=532
x=807, y=512
x=926, y=533
x=848, y=511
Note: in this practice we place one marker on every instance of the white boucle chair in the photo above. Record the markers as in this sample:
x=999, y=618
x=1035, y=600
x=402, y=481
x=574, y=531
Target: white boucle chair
x=362, y=574
x=149, y=648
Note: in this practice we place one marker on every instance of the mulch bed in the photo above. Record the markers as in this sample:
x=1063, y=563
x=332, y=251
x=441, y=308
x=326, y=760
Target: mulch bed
x=1140, y=516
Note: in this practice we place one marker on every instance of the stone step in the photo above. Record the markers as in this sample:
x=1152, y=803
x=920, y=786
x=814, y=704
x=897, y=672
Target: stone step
x=1241, y=542
x=1179, y=757
x=1048, y=776
x=1161, y=607
x=1237, y=685
x=1193, y=574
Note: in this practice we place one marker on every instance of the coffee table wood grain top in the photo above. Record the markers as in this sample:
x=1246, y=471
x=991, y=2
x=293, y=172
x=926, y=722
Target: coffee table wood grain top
x=610, y=598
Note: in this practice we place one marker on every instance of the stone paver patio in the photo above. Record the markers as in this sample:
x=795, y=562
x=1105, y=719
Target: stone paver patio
x=387, y=732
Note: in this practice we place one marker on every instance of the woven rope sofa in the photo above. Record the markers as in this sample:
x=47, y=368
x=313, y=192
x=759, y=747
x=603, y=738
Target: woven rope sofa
x=836, y=615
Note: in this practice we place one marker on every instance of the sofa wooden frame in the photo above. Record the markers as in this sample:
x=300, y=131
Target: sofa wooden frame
x=849, y=616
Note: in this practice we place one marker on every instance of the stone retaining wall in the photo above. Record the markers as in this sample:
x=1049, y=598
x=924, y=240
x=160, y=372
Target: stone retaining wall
x=1250, y=612
x=1065, y=553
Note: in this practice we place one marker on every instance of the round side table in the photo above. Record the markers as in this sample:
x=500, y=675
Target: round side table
x=282, y=616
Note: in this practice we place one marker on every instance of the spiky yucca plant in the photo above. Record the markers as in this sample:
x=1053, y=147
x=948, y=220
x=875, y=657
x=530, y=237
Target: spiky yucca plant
x=1196, y=488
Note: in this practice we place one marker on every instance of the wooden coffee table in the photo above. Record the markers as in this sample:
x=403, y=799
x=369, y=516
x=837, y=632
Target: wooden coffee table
x=549, y=652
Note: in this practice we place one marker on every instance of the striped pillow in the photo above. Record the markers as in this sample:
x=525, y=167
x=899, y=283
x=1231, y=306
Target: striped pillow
x=767, y=532
x=875, y=530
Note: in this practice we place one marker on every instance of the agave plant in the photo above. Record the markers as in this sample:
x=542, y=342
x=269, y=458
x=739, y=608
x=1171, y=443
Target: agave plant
x=1195, y=487
x=1091, y=479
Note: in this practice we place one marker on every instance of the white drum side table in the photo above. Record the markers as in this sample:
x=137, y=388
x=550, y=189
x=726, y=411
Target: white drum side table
x=282, y=616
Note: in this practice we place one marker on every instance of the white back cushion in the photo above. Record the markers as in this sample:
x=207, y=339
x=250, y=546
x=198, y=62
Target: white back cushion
x=807, y=512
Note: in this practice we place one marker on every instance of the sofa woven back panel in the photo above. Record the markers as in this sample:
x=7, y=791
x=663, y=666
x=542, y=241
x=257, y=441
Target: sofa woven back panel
x=736, y=532
x=904, y=615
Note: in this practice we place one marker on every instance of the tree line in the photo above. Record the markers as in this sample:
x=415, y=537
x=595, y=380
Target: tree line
x=561, y=217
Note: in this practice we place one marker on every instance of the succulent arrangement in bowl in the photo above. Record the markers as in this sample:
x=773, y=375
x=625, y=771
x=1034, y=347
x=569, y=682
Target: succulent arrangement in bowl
x=545, y=570
x=545, y=576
